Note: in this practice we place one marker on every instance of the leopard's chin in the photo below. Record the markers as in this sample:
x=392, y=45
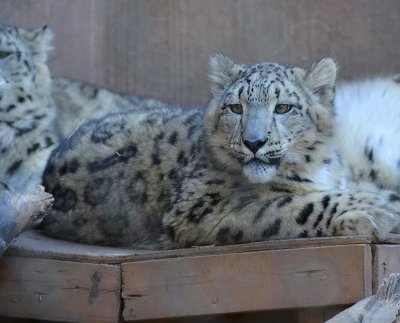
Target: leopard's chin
x=259, y=172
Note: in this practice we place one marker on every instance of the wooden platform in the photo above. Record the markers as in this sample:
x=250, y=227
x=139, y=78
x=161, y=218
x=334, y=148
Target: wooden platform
x=49, y=279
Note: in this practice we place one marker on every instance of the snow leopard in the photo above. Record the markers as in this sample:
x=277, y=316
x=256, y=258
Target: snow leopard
x=27, y=111
x=36, y=111
x=266, y=160
x=32, y=123
x=78, y=101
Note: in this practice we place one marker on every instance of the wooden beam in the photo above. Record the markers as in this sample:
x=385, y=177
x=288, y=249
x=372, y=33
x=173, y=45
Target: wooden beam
x=35, y=245
x=385, y=261
x=245, y=282
x=319, y=314
x=59, y=290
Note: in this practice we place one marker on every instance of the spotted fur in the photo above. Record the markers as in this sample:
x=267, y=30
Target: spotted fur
x=78, y=102
x=27, y=110
x=260, y=163
x=368, y=114
x=31, y=122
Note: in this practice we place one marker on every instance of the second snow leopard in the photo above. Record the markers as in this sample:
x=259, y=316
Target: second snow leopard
x=28, y=115
x=77, y=102
x=31, y=122
x=27, y=111
x=262, y=162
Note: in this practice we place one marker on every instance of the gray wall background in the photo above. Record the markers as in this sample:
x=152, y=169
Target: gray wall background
x=161, y=48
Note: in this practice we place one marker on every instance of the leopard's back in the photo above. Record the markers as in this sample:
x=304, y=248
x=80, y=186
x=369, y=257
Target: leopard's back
x=114, y=177
x=79, y=102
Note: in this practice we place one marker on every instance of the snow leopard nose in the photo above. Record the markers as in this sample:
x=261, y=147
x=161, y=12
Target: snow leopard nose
x=254, y=146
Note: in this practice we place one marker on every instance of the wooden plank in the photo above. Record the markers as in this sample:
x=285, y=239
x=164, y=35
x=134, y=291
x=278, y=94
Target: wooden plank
x=59, y=290
x=33, y=244
x=383, y=307
x=161, y=48
x=385, y=261
x=319, y=314
x=244, y=282
x=14, y=320
x=391, y=239
x=312, y=315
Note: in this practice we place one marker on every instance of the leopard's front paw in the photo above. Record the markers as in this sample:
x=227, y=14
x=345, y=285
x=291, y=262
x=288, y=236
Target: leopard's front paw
x=375, y=218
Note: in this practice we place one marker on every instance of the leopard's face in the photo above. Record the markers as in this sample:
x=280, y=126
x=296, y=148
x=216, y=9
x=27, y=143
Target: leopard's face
x=266, y=115
x=23, y=66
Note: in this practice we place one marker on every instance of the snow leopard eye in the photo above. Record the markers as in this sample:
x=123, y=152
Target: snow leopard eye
x=283, y=108
x=235, y=108
x=4, y=54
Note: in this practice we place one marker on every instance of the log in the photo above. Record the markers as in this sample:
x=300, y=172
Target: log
x=21, y=210
x=382, y=307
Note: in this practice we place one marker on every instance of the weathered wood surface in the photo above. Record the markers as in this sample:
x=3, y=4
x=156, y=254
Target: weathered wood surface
x=20, y=210
x=385, y=261
x=59, y=290
x=249, y=281
x=383, y=307
x=316, y=315
x=333, y=271
x=34, y=244
x=192, y=279
x=391, y=239
x=161, y=48
x=309, y=315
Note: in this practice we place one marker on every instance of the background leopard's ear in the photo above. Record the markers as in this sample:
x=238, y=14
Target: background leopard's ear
x=223, y=72
x=320, y=79
x=39, y=41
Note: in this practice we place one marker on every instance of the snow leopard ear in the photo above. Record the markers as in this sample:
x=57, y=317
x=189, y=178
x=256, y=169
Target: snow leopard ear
x=320, y=79
x=39, y=41
x=223, y=72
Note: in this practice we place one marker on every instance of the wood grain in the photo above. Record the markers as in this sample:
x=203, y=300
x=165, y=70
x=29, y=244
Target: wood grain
x=59, y=290
x=384, y=306
x=161, y=49
x=319, y=314
x=246, y=282
x=21, y=210
x=33, y=244
x=385, y=261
